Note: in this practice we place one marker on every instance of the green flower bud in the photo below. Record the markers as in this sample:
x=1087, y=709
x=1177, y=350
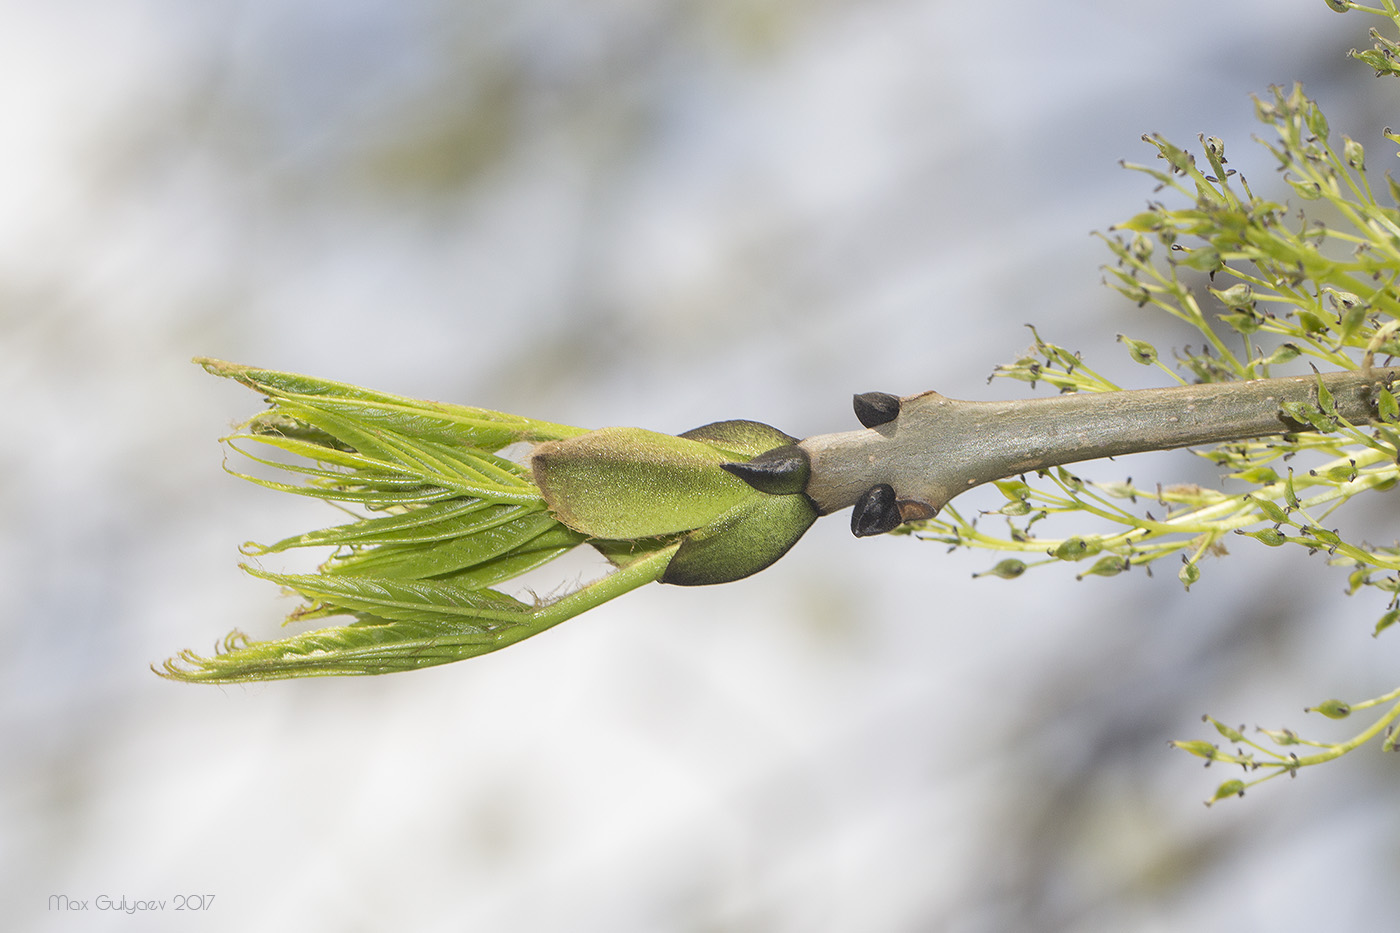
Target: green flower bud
x=1233, y=788
x=1236, y=296
x=1307, y=190
x=1281, y=736
x=1008, y=569
x=1136, y=293
x=1316, y=120
x=1387, y=407
x=1270, y=510
x=1268, y=536
x=1215, y=148
x=1256, y=476
x=1312, y=322
x=1325, y=401
x=1234, y=735
x=1146, y=222
x=1305, y=416
x=1013, y=489
x=1188, y=574
x=1332, y=709
x=1202, y=258
x=1119, y=490
x=1354, y=153
x=1286, y=353
x=1108, y=566
x=1140, y=350
x=1075, y=549
x=1243, y=321
x=1199, y=748
x=1072, y=482
x=1140, y=247
x=1323, y=536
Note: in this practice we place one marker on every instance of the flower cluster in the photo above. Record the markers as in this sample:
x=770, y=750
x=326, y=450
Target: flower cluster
x=1261, y=284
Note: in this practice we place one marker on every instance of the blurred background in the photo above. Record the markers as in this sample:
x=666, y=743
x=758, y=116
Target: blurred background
x=661, y=215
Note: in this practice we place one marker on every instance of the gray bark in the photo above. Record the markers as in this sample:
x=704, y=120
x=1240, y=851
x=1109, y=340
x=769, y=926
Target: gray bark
x=938, y=447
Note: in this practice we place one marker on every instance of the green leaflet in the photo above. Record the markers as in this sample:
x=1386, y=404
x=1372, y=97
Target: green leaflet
x=536, y=552
x=369, y=647
x=447, y=465
x=419, y=638
x=452, y=606
x=500, y=531
x=459, y=425
x=434, y=521
x=360, y=462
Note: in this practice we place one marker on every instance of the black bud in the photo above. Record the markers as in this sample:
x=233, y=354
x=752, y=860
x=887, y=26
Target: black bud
x=876, y=408
x=876, y=512
x=782, y=471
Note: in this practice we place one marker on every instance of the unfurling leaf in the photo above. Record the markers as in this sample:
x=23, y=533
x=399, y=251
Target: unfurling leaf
x=447, y=518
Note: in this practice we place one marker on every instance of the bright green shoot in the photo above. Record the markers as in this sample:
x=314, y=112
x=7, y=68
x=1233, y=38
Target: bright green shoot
x=442, y=520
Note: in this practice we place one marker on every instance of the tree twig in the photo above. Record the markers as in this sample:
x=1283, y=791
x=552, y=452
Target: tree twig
x=933, y=448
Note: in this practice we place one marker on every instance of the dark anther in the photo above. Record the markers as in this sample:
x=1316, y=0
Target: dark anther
x=876, y=408
x=876, y=512
x=782, y=471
